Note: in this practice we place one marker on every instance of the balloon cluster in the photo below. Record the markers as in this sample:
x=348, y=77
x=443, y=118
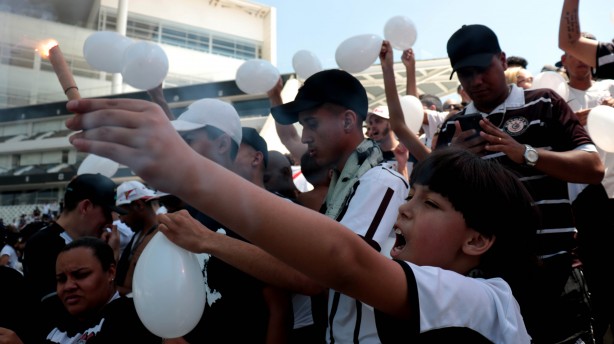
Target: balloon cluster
x=143, y=64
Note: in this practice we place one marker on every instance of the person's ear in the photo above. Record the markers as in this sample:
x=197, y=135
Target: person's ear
x=84, y=205
x=477, y=243
x=349, y=120
x=503, y=60
x=224, y=144
x=258, y=159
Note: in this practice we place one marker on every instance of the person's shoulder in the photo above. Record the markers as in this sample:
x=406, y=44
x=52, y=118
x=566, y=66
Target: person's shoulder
x=537, y=93
x=385, y=174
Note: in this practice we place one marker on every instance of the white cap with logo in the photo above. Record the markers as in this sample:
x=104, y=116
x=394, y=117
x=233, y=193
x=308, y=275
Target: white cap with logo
x=381, y=111
x=128, y=192
x=213, y=112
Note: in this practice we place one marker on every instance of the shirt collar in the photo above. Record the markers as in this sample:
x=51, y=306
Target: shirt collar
x=514, y=100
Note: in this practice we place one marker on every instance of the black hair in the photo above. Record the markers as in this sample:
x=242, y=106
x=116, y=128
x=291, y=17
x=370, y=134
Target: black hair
x=430, y=100
x=517, y=61
x=493, y=202
x=102, y=251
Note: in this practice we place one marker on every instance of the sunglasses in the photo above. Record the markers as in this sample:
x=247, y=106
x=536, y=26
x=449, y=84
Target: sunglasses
x=453, y=107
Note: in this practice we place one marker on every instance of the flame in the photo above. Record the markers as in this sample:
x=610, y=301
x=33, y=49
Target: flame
x=44, y=47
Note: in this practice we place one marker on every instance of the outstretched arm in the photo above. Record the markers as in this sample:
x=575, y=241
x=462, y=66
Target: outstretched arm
x=397, y=119
x=138, y=134
x=242, y=255
x=287, y=132
x=570, y=39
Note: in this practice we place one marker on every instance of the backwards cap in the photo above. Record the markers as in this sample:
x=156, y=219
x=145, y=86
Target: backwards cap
x=97, y=188
x=252, y=138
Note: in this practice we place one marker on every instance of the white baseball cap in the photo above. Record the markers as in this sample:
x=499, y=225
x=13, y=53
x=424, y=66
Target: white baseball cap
x=213, y=112
x=381, y=111
x=128, y=192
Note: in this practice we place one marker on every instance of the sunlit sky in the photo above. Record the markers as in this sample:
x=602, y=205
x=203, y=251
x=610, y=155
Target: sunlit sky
x=527, y=28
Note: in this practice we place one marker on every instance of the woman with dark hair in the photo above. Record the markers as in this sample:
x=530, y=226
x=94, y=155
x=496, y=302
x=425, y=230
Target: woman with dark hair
x=93, y=311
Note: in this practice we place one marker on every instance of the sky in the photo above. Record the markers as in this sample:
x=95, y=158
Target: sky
x=527, y=28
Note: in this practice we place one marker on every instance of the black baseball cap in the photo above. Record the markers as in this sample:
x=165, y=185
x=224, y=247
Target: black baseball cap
x=333, y=86
x=97, y=188
x=251, y=137
x=472, y=46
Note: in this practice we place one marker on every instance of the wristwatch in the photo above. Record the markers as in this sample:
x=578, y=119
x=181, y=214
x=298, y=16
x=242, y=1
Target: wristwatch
x=530, y=156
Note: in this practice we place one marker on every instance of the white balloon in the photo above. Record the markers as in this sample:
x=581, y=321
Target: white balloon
x=600, y=126
x=256, y=76
x=413, y=112
x=553, y=81
x=104, y=50
x=306, y=63
x=401, y=32
x=145, y=65
x=97, y=164
x=168, y=288
x=358, y=53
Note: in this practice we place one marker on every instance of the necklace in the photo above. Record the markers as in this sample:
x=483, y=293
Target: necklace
x=140, y=238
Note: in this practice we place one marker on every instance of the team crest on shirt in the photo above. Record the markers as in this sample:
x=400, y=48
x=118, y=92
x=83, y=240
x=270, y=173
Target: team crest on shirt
x=516, y=126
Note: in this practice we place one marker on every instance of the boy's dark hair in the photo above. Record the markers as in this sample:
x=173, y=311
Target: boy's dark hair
x=493, y=202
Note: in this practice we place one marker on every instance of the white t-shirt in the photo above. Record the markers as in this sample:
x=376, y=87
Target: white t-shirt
x=588, y=99
x=448, y=301
x=13, y=259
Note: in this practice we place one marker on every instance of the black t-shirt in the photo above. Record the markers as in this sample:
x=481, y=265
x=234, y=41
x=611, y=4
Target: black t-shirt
x=240, y=315
x=39, y=258
x=118, y=322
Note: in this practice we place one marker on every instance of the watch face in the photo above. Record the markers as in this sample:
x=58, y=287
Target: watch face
x=531, y=155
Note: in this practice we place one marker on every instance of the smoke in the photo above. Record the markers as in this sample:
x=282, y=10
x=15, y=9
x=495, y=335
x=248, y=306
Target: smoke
x=39, y=9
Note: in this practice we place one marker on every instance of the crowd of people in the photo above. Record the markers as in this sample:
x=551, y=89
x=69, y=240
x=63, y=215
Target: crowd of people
x=490, y=225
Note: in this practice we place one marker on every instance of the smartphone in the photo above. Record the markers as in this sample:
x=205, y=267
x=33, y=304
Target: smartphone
x=472, y=121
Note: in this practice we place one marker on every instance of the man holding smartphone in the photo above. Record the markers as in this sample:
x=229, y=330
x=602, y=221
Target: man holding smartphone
x=535, y=134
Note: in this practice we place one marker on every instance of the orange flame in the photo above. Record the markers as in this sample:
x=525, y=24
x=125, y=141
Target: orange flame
x=44, y=47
